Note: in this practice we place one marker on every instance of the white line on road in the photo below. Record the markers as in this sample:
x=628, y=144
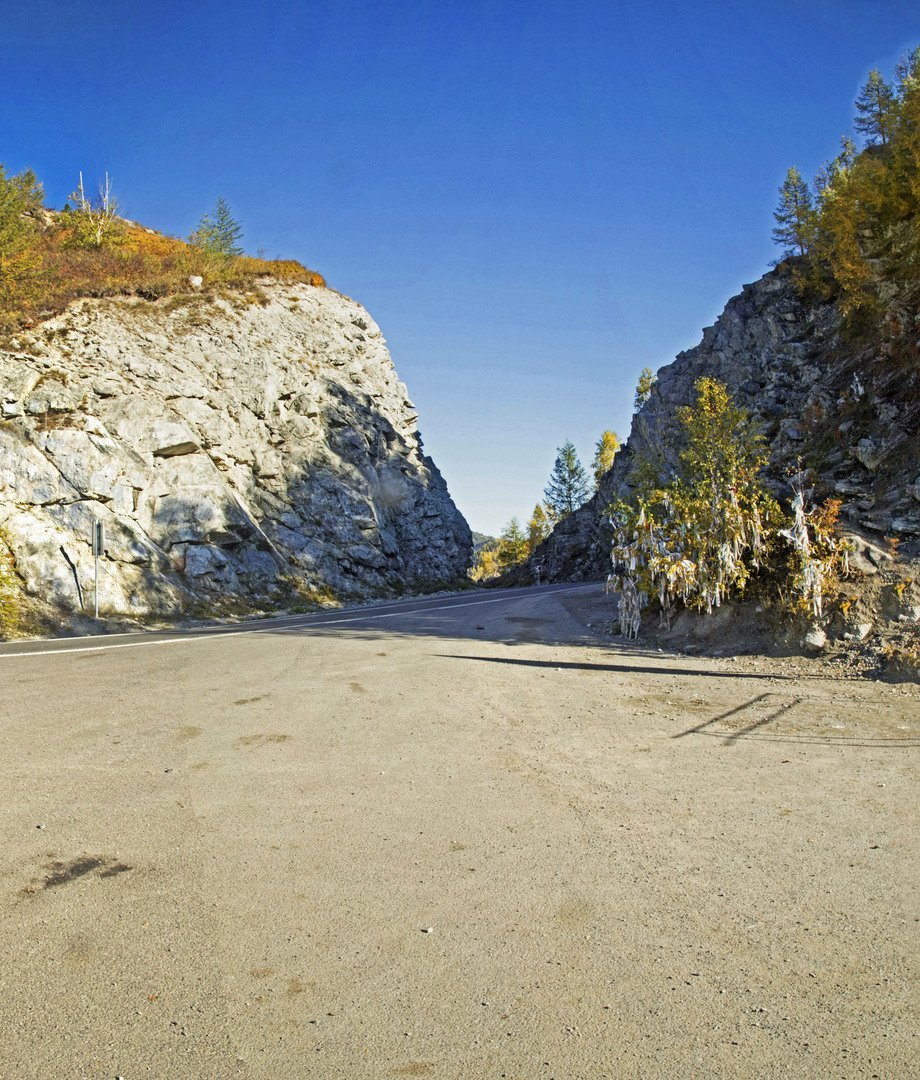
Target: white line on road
x=292, y=625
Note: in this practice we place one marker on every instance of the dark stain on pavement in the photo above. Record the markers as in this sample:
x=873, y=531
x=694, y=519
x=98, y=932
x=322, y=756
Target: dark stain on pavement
x=61, y=871
x=357, y=688
x=250, y=700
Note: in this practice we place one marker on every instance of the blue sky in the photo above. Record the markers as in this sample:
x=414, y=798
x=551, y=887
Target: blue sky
x=535, y=200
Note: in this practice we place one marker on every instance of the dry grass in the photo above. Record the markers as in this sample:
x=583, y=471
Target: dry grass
x=137, y=262
x=10, y=594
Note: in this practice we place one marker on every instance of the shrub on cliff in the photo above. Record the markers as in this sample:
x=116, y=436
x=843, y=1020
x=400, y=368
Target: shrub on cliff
x=20, y=200
x=700, y=529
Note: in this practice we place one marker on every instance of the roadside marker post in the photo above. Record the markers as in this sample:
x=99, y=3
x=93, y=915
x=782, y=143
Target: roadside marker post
x=98, y=549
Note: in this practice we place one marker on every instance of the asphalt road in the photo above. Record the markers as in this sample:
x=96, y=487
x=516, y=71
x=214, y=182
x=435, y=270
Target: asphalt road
x=454, y=837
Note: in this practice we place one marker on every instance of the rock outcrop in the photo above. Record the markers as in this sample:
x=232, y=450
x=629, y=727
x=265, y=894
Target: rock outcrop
x=849, y=409
x=243, y=445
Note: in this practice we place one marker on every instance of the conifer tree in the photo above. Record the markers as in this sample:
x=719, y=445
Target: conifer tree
x=644, y=387
x=831, y=171
x=604, y=453
x=538, y=528
x=795, y=215
x=512, y=545
x=876, y=107
x=218, y=232
x=907, y=71
x=568, y=483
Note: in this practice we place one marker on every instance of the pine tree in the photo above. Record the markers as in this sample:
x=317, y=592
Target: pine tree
x=568, y=483
x=512, y=545
x=795, y=215
x=876, y=109
x=644, y=387
x=604, y=453
x=538, y=528
x=907, y=71
x=218, y=232
x=831, y=171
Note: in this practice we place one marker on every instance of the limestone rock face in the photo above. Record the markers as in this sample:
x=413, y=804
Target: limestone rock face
x=229, y=445
x=817, y=398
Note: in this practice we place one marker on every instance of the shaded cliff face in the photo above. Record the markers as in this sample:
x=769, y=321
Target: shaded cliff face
x=850, y=411
x=229, y=446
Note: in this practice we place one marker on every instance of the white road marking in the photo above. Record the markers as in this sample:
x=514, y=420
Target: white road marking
x=205, y=635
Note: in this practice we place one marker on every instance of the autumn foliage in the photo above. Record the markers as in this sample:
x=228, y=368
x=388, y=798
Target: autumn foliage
x=48, y=259
x=857, y=226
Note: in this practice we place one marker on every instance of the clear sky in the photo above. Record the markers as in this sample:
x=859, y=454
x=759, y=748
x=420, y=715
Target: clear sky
x=534, y=199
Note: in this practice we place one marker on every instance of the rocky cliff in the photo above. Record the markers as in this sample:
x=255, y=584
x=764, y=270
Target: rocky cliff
x=846, y=406
x=246, y=445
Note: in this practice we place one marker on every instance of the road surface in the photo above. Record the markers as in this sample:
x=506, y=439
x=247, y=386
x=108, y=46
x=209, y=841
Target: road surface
x=459, y=837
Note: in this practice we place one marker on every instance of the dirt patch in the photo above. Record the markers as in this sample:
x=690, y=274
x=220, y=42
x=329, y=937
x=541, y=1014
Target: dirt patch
x=260, y=739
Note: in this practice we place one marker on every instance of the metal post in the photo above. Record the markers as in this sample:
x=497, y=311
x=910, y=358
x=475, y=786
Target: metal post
x=98, y=548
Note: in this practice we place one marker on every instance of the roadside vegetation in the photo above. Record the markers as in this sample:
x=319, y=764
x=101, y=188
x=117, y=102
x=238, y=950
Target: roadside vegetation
x=50, y=257
x=10, y=594
x=701, y=524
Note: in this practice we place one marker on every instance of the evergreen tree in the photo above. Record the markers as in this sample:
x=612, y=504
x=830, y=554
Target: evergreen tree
x=832, y=171
x=907, y=71
x=512, y=545
x=876, y=109
x=795, y=215
x=218, y=232
x=604, y=453
x=644, y=387
x=538, y=528
x=568, y=483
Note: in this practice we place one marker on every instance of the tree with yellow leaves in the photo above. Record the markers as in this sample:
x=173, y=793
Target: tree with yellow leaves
x=538, y=528
x=604, y=453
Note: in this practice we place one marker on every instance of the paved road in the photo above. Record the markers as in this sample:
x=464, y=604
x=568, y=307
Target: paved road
x=457, y=837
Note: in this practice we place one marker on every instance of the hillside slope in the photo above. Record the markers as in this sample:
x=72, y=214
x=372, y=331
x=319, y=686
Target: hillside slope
x=240, y=445
x=849, y=409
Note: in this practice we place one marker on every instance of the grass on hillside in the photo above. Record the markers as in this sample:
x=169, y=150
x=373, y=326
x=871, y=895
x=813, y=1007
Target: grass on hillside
x=46, y=260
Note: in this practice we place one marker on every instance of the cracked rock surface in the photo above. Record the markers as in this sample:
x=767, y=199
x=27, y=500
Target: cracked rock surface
x=228, y=444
